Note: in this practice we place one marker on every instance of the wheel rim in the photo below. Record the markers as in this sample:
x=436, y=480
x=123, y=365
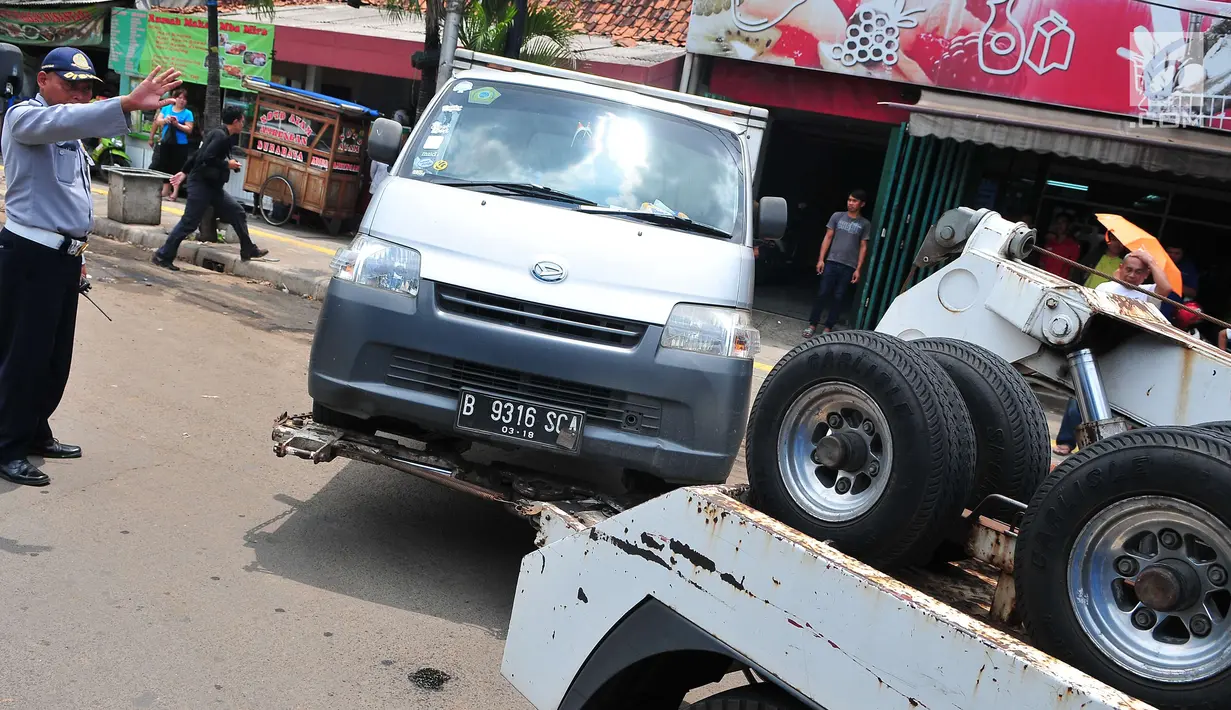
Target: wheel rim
x=835, y=470
x=281, y=194
x=1148, y=580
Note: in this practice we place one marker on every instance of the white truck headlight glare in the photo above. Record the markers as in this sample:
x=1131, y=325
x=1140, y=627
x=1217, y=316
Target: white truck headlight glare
x=369, y=261
x=711, y=330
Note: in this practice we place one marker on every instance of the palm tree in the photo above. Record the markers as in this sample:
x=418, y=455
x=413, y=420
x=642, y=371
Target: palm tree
x=548, y=32
x=485, y=27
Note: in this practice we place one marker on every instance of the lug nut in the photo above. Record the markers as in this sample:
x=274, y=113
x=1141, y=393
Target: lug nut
x=1143, y=619
x=868, y=428
x=1170, y=539
x=1200, y=625
x=843, y=486
x=1126, y=566
x=874, y=469
x=1217, y=575
x=835, y=421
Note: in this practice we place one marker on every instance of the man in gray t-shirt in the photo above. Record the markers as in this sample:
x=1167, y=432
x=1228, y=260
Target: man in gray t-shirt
x=842, y=256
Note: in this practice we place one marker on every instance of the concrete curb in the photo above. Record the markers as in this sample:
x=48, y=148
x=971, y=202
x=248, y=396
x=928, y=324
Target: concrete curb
x=308, y=283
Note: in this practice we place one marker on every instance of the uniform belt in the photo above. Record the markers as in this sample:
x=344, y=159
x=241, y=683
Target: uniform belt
x=52, y=240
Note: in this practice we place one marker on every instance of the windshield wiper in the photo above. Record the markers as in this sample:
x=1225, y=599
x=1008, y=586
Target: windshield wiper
x=522, y=188
x=669, y=220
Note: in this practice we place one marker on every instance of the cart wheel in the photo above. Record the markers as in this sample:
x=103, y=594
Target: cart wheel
x=1123, y=562
x=1011, y=434
x=860, y=439
x=281, y=200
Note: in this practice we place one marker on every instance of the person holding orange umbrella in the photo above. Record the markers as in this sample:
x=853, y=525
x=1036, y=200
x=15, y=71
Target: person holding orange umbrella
x=1134, y=269
x=1136, y=239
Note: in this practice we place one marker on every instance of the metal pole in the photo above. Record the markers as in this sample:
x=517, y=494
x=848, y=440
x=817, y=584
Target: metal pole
x=448, y=43
x=1088, y=387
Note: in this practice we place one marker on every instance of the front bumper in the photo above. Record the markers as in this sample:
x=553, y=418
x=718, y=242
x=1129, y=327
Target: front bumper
x=676, y=415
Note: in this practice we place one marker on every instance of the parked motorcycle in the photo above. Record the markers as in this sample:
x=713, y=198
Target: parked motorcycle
x=106, y=151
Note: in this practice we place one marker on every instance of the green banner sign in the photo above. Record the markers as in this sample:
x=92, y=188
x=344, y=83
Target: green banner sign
x=127, y=40
x=179, y=41
x=73, y=26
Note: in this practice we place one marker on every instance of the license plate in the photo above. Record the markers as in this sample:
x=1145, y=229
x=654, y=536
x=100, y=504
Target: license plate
x=517, y=419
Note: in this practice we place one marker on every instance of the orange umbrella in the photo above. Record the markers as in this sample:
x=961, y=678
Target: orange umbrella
x=1134, y=238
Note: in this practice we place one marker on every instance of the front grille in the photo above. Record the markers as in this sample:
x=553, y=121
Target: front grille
x=545, y=319
x=447, y=376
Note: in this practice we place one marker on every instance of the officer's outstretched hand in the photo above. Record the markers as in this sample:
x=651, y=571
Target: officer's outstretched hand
x=176, y=179
x=148, y=95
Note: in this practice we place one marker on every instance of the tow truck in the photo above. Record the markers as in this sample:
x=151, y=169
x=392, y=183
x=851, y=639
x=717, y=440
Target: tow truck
x=901, y=542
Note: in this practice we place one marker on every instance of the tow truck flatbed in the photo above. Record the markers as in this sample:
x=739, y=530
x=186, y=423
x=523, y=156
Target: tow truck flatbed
x=697, y=573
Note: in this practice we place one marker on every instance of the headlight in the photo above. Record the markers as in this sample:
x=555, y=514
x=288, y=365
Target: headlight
x=373, y=262
x=713, y=331
x=119, y=142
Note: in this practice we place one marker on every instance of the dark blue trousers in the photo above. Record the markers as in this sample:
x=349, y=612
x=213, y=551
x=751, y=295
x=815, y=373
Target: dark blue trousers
x=835, y=283
x=38, y=320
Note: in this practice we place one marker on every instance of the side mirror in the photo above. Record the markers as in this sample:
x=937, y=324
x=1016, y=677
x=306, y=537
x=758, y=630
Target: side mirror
x=385, y=141
x=772, y=223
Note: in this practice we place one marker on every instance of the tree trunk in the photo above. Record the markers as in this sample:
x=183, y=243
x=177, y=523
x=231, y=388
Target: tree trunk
x=431, y=41
x=213, y=105
x=213, y=80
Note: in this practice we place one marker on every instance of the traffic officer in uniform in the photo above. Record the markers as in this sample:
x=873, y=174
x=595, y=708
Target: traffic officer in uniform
x=49, y=213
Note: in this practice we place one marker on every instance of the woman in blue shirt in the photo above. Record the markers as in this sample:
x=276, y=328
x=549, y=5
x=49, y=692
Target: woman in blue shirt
x=173, y=126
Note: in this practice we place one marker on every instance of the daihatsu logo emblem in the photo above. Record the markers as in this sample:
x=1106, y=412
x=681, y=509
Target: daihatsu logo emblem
x=548, y=272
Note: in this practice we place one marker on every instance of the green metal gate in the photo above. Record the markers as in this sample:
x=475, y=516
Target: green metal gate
x=922, y=178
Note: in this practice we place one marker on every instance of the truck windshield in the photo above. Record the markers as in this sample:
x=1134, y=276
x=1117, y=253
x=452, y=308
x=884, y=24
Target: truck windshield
x=597, y=151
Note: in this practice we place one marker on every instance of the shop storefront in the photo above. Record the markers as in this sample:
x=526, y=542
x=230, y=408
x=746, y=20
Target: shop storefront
x=1033, y=108
x=38, y=27
x=141, y=40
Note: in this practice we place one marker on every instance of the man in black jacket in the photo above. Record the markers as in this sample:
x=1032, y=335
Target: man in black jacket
x=206, y=172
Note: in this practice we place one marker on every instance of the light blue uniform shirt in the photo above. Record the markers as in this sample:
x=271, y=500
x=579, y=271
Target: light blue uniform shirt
x=45, y=166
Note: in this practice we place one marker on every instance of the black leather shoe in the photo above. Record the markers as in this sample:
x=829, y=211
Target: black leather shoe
x=23, y=472
x=55, y=450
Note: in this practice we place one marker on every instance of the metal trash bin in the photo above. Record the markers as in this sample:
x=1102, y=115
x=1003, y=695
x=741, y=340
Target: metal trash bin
x=134, y=195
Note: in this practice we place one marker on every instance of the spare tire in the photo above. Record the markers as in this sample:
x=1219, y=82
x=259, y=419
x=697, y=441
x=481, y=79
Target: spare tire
x=859, y=439
x=1012, y=439
x=1123, y=565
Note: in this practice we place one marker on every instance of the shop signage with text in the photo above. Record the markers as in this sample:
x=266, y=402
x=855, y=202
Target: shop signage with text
x=71, y=26
x=180, y=41
x=280, y=150
x=1116, y=56
x=287, y=127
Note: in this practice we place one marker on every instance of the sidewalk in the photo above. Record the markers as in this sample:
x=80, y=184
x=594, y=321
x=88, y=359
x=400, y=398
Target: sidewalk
x=298, y=260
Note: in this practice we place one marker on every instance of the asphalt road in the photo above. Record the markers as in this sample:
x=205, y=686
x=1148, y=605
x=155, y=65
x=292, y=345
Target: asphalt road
x=181, y=565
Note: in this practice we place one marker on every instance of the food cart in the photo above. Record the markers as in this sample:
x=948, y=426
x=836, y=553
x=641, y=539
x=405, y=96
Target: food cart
x=305, y=152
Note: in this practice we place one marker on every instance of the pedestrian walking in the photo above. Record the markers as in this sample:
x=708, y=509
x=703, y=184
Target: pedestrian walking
x=207, y=173
x=49, y=214
x=842, y=256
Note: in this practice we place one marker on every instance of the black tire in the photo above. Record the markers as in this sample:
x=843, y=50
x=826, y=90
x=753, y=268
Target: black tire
x=932, y=466
x=1182, y=464
x=760, y=696
x=324, y=415
x=1012, y=439
x=282, y=194
x=1223, y=428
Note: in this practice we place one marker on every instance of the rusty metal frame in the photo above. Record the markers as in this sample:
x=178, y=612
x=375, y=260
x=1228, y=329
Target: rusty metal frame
x=833, y=629
x=525, y=491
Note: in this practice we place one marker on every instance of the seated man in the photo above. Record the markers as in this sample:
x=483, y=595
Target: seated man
x=1133, y=270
